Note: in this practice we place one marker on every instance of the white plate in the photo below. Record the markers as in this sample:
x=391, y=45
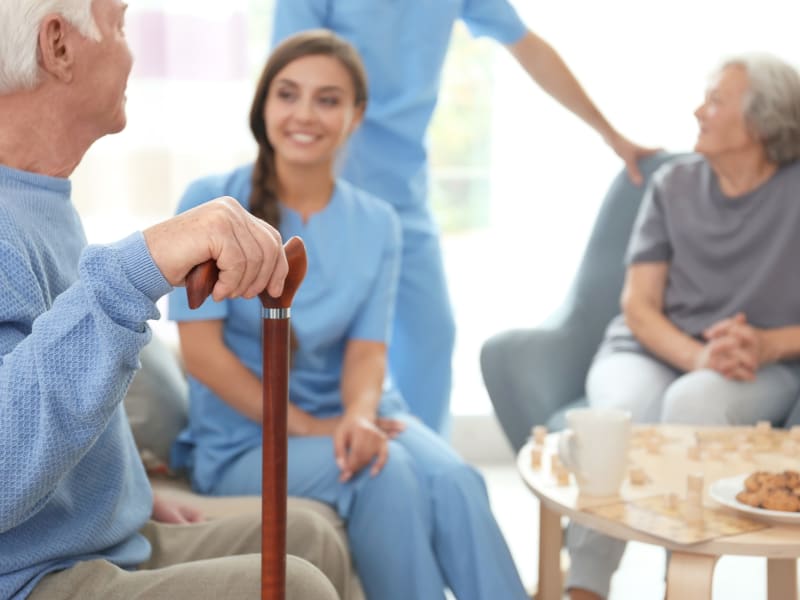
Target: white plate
x=724, y=491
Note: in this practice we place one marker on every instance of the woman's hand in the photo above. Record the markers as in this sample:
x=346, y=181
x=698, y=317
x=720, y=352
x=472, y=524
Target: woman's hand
x=734, y=349
x=391, y=427
x=631, y=154
x=174, y=512
x=303, y=424
x=725, y=356
x=356, y=442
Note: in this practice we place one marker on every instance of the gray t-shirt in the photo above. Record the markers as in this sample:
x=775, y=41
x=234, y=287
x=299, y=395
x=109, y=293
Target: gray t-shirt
x=725, y=255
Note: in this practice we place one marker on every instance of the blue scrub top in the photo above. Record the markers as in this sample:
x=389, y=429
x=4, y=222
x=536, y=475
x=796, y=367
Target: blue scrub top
x=403, y=44
x=353, y=247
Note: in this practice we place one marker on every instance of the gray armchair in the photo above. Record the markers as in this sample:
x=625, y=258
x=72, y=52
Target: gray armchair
x=534, y=375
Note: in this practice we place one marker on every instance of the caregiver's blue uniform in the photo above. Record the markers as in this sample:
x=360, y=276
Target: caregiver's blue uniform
x=424, y=522
x=403, y=44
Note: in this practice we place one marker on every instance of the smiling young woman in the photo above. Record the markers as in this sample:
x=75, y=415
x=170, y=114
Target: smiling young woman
x=352, y=442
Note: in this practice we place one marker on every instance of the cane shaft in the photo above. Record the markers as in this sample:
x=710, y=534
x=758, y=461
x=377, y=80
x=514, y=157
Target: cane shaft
x=274, y=492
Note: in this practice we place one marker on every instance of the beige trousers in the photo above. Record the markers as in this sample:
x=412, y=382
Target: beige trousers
x=210, y=561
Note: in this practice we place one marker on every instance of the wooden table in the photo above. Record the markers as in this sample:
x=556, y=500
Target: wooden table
x=690, y=570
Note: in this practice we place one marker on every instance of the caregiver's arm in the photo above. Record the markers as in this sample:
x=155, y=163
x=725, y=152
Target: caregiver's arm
x=209, y=360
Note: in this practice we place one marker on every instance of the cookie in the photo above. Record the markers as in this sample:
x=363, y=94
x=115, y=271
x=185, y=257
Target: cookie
x=782, y=500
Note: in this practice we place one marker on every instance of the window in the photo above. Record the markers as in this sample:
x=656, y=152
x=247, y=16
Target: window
x=516, y=180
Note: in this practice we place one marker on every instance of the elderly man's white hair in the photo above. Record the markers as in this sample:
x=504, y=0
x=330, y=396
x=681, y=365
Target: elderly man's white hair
x=772, y=104
x=19, y=36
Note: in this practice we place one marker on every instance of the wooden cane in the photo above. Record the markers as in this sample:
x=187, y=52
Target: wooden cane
x=275, y=381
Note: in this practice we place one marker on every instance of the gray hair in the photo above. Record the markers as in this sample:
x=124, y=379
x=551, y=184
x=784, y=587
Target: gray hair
x=772, y=104
x=19, y=36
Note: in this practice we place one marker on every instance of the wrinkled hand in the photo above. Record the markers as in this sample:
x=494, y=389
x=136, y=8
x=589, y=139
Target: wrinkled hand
x=735, y=349
x=248, y=252
x=631, y=154
x=356, y=442
x=176, y=513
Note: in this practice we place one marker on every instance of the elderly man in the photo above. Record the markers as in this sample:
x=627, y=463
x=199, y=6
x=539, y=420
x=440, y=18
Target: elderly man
x=74, y=499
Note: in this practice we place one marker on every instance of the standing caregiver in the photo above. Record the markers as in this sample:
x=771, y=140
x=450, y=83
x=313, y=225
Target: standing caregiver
x=403, y=45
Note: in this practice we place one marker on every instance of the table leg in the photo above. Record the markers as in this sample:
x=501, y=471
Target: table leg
x=781, y=579
x=690, y=576
x=550, y=539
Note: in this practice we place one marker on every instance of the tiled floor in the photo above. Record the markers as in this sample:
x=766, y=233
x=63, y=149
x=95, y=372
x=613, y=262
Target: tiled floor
x=641, y=574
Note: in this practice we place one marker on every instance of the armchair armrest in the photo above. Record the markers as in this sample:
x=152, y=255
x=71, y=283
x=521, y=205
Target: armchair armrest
x=532, y=373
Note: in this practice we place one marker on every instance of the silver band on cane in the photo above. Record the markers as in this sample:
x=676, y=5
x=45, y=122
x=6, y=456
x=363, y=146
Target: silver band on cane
x=275, y=313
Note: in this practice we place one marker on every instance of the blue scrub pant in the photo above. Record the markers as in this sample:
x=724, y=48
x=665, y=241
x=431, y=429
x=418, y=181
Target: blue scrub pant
x=422, y=524
x=421, y=348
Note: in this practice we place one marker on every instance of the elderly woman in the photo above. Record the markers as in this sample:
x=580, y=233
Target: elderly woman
x=710, y=327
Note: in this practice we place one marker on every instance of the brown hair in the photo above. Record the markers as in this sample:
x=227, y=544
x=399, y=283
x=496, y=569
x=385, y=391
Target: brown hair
x=263, y=197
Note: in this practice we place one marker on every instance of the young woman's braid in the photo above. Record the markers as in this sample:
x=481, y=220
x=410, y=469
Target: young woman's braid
x=264, y=197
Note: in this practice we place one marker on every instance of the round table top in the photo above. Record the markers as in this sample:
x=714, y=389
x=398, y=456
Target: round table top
x=661, y=451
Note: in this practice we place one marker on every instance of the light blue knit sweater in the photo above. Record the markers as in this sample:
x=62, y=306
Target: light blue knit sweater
x=72, y=323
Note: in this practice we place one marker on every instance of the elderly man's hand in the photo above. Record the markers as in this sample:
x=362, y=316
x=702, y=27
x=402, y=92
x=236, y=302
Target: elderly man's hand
x=248, y=252
x=173, y=512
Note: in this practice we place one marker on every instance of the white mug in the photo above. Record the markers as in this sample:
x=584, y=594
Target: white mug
x=595, y=448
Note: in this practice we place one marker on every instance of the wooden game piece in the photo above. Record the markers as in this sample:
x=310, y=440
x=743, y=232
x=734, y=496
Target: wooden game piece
x=558, y=471
x=794, y=433
x=746, y=452
x=694, y=488
x=715, y=451
x=693, y=453
x=671, y=501
x=536, y=457
x=539, y=433
x=693, y=510
x=789, y=448
x=637, y=476
x=763, y=427
x=647, y=432
x=694, y=514
x=562, y=475
x=762, y=442
x=653, y=446
x=555, y=463
x=699, y=439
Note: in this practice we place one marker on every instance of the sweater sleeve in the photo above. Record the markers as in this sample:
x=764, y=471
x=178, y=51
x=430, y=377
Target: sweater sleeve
x=63, y=374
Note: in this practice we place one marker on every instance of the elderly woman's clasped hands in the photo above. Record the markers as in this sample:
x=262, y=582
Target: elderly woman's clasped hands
x=734, y=348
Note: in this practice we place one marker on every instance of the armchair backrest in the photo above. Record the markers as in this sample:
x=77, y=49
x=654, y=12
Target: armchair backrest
x=533, y=375
x=593, y=299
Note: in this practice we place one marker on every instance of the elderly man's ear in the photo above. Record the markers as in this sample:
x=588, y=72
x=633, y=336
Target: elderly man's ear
x=56, y=48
